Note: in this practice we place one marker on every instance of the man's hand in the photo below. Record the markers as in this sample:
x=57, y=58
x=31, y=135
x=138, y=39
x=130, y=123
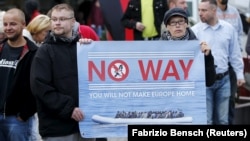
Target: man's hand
x=240, y=82
x=85, y=41
x=140, y=26
x=205, y=48
x=77, y=114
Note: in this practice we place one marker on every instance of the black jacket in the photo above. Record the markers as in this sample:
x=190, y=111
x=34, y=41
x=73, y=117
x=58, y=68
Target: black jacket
x=20, y=100
x=209, y=60
x=133, y=14
x=55, y=84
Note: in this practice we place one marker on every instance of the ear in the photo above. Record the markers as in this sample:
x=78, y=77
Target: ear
x=73, y=21
x=24, y=24
x=215, y=9
x=167, y=27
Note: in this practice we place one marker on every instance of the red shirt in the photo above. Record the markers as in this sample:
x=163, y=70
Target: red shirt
x=88, y=32
x=34, y=14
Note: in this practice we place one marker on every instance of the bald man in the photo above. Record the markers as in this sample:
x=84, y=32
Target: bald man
x=17, y=104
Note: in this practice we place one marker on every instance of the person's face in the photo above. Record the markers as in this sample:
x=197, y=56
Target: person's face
x=182, y=4
x=13, y=26
x=40, y=37
x=177, y=26
x=207, y=12
x=62, y=22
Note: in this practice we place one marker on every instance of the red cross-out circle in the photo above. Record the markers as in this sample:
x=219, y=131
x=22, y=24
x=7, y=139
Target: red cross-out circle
x=118, y=70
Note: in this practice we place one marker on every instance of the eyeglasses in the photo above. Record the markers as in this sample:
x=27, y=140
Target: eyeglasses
x=61, y=19
x=174, y=23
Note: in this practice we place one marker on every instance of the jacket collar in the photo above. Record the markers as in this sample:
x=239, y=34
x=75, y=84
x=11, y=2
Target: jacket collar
x=29, y=46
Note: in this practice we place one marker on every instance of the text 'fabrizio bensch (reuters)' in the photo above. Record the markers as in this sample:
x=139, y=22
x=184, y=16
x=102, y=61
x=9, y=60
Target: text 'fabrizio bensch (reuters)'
x=199, y=132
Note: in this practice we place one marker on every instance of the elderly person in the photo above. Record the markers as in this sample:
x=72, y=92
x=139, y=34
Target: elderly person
x=176, y=22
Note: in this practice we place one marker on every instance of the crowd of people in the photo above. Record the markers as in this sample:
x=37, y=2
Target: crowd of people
x=34, y=89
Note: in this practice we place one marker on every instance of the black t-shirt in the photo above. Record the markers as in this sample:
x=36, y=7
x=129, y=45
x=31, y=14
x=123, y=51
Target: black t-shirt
x=9, y=58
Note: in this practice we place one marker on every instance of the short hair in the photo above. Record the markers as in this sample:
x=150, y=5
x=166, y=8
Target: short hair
x=62, y=6
x=169, y=1
x=18, y=12
x=49, y=13
x=213, y=2
x=38, y=24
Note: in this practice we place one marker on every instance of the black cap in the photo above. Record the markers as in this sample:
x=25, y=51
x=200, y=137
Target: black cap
x=175, y=12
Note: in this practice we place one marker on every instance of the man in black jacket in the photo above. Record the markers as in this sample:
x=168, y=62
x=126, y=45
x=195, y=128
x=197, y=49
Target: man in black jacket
x=17, y=103
x=145, y=18
x=54, y=78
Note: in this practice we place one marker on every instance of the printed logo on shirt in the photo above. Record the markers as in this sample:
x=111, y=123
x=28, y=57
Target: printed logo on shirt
x=8, y=64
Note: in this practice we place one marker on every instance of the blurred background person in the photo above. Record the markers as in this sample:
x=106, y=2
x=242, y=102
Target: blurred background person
x=83, y=11
x=181, y=4
x=178, y=3
x=31, y=9
x=230, y=14
x=145, y=18
x=96, y=20
x=38, y=29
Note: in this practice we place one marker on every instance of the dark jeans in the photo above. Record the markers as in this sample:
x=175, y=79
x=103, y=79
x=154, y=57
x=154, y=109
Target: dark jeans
x=233, y=81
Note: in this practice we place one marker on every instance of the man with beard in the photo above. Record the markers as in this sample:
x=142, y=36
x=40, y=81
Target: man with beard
x=222, y=38
x=54, y=77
